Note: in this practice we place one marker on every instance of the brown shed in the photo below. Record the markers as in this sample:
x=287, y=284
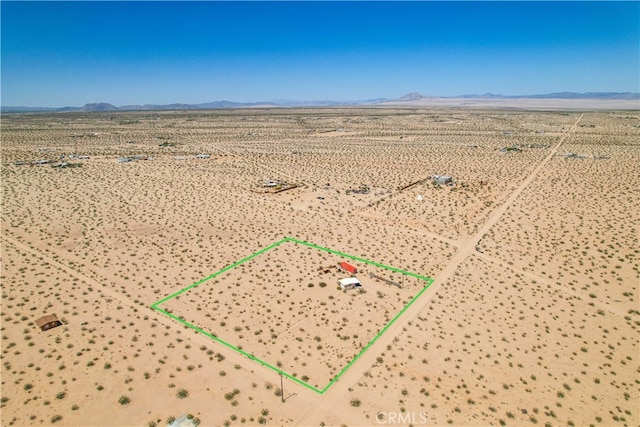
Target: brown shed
x=47, y=322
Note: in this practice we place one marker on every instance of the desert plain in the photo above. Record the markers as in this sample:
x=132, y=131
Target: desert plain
x=510, y=297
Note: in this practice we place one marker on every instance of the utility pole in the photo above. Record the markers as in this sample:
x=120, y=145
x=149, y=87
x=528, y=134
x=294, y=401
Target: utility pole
x=281, y=388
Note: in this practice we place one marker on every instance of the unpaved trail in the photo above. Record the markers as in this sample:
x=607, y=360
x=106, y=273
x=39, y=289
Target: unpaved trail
x=259, y=165
x=232, y=357
x=340, y=390
x=70, y=271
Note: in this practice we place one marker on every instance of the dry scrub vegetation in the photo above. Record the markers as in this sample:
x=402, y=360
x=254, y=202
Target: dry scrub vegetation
x=538, y=325
x=281, y=309
x=497, y=346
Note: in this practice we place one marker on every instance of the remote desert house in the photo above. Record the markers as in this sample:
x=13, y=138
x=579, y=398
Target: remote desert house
x=349, y=283
x=48, y=322
x=442, y=179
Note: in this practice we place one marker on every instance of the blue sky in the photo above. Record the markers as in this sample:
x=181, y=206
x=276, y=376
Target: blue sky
x=72, y=53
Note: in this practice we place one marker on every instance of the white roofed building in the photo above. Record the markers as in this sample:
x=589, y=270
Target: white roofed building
x=349, y=283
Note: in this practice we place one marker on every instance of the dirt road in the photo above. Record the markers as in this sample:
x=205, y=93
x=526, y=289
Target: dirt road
x=338, y=392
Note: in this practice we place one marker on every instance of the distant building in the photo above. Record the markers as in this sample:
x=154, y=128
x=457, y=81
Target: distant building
x=48, y=322
x=574, y=156
x=349, y=283
x=442, y=179
x=183, y=421
x=510, y=150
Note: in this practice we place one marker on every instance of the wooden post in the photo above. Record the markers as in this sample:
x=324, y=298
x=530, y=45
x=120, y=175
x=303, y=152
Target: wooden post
x=281, y=388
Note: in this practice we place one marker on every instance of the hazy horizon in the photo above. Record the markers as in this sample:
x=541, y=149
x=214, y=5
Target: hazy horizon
x=125, y=53
x=556, y=101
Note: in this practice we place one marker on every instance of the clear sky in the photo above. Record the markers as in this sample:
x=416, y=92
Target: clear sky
x=71, y=53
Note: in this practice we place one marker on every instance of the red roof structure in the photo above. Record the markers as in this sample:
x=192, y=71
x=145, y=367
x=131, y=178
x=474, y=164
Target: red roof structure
x=348, y=267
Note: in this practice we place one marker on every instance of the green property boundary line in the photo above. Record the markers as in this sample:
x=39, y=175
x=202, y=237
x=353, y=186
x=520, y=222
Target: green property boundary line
x=428, y=280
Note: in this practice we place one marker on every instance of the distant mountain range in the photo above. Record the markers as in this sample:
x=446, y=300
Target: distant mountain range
x=559, y=95
x=410, y=97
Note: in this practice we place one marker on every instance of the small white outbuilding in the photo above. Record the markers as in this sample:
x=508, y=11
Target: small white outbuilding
x=349, y=283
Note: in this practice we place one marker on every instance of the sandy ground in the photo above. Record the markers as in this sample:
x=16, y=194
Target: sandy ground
x=532, y=317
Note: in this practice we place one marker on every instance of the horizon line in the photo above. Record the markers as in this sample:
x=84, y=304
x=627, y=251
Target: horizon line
x=283, y=101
